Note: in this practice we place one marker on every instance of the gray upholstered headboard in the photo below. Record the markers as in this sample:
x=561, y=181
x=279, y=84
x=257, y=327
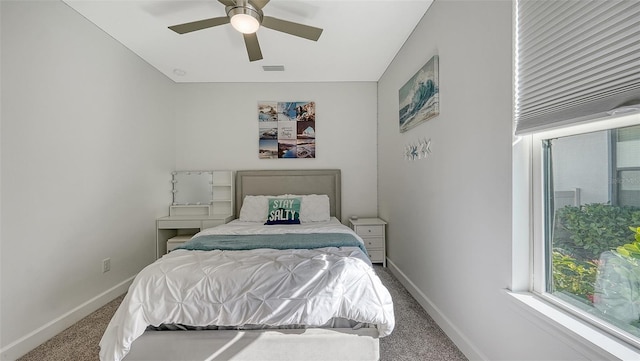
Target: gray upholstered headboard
x=276, y=182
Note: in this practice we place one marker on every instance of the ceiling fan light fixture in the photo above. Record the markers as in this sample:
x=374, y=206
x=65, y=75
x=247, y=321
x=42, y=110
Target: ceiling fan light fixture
x=245, y=19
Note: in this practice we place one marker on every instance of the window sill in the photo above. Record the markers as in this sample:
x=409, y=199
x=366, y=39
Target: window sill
x=586, y=339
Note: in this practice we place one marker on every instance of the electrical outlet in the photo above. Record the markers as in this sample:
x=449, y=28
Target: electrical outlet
x=106, y=265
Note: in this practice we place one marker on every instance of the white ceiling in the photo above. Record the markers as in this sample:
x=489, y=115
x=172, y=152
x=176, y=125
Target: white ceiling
x=359, y=40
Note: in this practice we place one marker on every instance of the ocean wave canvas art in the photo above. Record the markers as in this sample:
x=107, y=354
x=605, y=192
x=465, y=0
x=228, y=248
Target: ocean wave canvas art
x=419, y=98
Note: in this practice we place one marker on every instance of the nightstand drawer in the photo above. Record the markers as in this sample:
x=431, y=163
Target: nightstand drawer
x=368, y=231
x=373, y=242
x=376, y=255
x=372, y=232
x=179, y=224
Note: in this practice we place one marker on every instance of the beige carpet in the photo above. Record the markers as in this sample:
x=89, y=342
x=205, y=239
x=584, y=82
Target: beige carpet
x=415, y=337
x=78, y=342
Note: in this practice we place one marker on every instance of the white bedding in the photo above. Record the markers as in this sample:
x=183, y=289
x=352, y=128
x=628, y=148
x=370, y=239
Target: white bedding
x=252, y=287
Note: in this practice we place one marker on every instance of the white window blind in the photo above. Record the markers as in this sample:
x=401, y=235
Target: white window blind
x=575, y=60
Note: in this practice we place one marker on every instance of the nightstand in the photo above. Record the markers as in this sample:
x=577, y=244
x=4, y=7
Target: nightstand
x=177, y=228
x=372, y=231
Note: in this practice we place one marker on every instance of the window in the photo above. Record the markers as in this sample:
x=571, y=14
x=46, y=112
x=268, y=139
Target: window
x=589, y=210
x=575, y=71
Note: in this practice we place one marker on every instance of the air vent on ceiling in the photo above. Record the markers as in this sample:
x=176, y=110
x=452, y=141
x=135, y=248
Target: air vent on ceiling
x=273, y=67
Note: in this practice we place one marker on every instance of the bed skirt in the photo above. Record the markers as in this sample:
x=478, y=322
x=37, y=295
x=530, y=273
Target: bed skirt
x=282, y=345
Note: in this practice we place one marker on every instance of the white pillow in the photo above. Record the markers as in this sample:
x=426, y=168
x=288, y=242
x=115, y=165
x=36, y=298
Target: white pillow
x=254, y=209
x=313, y=208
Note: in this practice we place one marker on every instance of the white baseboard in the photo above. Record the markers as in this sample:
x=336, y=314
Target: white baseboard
x=454, y=333
x=32, y=340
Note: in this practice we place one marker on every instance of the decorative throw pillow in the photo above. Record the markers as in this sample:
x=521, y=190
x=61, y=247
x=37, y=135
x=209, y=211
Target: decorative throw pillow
x=314, y=207
x=284, y=211
x=254, y=209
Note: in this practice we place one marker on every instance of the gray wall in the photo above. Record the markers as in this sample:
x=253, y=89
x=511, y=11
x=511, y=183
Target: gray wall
x=217, y=128
x=450, y=215
x=87, y=141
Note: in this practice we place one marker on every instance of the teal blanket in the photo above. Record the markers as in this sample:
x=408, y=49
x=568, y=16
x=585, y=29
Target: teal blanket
x=274, y=241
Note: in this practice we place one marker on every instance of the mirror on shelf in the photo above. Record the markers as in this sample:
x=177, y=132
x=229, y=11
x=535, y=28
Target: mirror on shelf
x=192, y=187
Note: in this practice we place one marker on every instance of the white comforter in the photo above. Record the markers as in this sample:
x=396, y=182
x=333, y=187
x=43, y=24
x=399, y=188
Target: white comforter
x=252, y=287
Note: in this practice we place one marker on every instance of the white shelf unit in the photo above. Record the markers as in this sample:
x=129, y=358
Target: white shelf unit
x=223, y=193
x=187, y=219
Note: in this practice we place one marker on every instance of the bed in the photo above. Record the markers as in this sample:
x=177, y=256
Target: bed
x=248, y=290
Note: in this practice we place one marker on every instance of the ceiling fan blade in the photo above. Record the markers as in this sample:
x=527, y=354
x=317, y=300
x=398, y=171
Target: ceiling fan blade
x=253, y=47
x=227, y=2
x=199, y=25
x=259, y=4
x=303, y=31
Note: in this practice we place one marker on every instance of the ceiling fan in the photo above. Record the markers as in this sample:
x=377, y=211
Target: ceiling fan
x=246, y=16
